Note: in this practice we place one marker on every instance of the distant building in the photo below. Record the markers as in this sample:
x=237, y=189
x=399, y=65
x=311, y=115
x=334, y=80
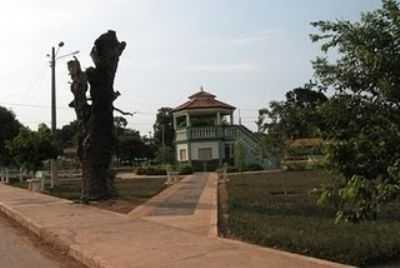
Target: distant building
x=206, y=136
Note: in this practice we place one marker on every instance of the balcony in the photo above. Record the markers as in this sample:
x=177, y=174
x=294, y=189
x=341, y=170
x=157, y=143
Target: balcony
x=200, y=133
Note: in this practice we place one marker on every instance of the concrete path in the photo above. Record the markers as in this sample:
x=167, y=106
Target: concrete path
x=190, y=205
x=19, y=250
x=150, y=237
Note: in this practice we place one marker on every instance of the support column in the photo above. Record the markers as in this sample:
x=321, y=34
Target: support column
x=189, y=152
x=187, y=120
x=218, y=118
x=221, y=153
x=231, y=118
x=174, y=122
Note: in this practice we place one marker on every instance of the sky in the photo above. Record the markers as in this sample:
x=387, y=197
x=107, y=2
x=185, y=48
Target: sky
x=247, y=52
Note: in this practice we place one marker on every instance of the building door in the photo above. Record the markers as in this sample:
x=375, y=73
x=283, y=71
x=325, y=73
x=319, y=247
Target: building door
x=205, y=154
x=229, y=154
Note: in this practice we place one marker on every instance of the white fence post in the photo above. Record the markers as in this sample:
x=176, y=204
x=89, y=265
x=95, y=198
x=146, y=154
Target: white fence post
x=21, y=175
x=2, y=175
x=7, y=176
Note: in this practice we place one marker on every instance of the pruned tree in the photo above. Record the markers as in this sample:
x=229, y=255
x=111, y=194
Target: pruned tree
x=95, y=115
x=362, y=117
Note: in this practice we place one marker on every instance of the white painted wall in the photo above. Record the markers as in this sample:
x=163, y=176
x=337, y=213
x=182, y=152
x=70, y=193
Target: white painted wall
x=199, y=145
x=180, y=147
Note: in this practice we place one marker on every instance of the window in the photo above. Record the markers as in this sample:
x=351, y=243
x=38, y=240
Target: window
x=205, y=153
x=182, y=155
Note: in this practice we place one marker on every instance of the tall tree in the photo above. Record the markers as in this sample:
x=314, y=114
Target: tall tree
x=120, y=124
x=31, y=148
x=67, y=136
x=164, y=135
x=95, y=115
x=132, y=147
x=296, y=117
x=163, y=127
x=8, y=130
x=363, y=116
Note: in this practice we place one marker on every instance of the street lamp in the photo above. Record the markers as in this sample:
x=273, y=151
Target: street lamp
x=53, y=60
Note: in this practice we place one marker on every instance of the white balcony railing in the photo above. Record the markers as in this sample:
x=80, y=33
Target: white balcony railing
x=206, y=133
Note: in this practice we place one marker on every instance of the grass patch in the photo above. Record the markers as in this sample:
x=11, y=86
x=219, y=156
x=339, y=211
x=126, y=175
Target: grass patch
x=276, y=210
x=131, y=193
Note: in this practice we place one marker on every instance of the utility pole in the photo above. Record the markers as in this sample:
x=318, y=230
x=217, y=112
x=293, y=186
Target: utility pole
x=163, y=142
x=53, y=162
x=53, y=60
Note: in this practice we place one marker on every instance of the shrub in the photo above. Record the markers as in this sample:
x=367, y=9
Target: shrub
x=254, y=167
x=301, y=165
x=185, y=170
x=151, y=171
x=232, y=170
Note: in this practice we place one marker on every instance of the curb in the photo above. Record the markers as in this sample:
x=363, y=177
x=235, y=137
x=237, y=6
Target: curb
x=326, y=263
x=213, y=180
x=52, y=239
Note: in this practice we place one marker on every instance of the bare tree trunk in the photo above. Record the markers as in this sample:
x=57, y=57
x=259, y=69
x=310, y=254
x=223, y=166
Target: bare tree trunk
x=96, y=142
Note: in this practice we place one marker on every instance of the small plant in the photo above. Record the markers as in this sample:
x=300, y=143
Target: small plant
x=185, y=170
x=254, y=167
x=151, y=171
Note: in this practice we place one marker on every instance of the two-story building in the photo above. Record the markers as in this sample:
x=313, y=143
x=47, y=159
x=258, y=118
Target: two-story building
x=206, y=135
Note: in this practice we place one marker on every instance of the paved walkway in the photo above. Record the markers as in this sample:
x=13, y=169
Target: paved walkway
x=162, y=233
x=190, y=205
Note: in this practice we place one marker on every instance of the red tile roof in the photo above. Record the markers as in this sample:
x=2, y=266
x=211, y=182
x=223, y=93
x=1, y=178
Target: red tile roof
x=203, y=100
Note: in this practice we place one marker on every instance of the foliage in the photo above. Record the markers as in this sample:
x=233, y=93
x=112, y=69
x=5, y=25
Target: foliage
x=31, y=148
x=296, y=117
x=254, y=167
x=362, y=119
x=120, y=123
x=260, y=212
x=165, y=155
x=304, y=151
x=151, y=171
x=164, y=127
x=8, y=130
x=67, y=136
x=185, y=170
x=164, y=135
x=300, y=165
x=130, y=147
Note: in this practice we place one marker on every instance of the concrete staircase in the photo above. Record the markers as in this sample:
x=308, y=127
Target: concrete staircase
x=252, y=144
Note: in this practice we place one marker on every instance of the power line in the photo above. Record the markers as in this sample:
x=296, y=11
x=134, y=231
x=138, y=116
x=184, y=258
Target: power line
x=32, y=105
x=40, y=106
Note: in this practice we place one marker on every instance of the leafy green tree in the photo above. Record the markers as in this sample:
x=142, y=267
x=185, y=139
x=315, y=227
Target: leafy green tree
x=31, y=148
x=67, y=136
x=120, y=124
x=163, y=127
x=164, y=135
x=132, y=147
x=296, y=117
x=8, y=130
x=362, y=119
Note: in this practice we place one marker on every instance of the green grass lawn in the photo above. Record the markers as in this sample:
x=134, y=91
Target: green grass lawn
x=260, y=212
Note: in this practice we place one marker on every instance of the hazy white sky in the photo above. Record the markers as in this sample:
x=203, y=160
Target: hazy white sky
x=247, y=52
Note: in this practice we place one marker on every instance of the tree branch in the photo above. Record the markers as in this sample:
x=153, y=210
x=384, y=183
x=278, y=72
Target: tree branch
x=122, y=112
